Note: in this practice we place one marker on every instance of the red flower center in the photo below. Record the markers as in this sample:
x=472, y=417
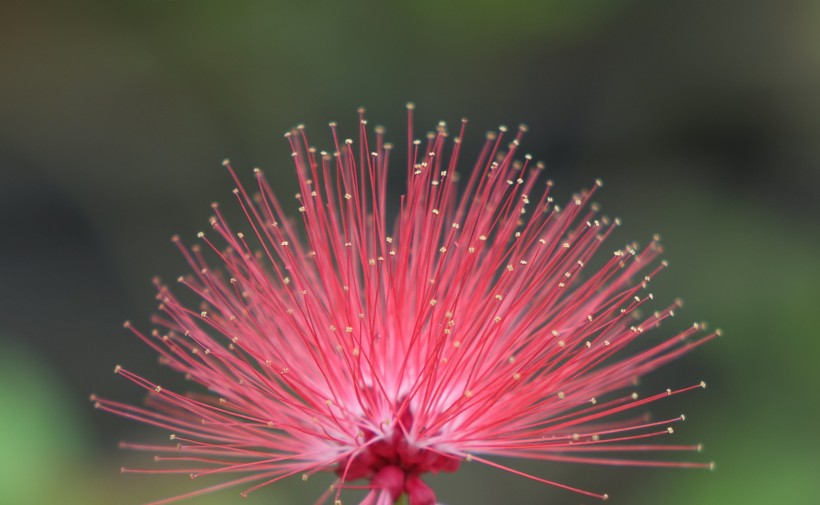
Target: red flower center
x=394, y=464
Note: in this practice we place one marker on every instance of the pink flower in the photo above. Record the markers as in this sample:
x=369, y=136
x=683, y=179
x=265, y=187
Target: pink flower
x=467, y=327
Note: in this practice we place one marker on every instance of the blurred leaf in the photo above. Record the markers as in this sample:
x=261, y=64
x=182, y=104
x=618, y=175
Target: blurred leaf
x=40, y=432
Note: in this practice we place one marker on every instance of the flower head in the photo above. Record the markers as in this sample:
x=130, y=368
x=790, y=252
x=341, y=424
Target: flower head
x=467, y=327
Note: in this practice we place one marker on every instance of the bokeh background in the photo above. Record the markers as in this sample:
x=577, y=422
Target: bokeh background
x=702, y=117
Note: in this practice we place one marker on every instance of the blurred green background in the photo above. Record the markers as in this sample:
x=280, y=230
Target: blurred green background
x=703, y=118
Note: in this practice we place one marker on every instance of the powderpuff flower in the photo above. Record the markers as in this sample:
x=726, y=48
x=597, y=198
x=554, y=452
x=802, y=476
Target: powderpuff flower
x=382, y=344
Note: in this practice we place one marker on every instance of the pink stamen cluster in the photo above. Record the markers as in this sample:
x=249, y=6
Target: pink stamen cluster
x=467, y=327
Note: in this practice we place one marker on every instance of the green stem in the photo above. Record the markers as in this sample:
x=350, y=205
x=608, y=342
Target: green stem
x=402, y=500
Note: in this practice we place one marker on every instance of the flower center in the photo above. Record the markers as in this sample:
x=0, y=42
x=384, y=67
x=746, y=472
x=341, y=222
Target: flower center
x=393, y=464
